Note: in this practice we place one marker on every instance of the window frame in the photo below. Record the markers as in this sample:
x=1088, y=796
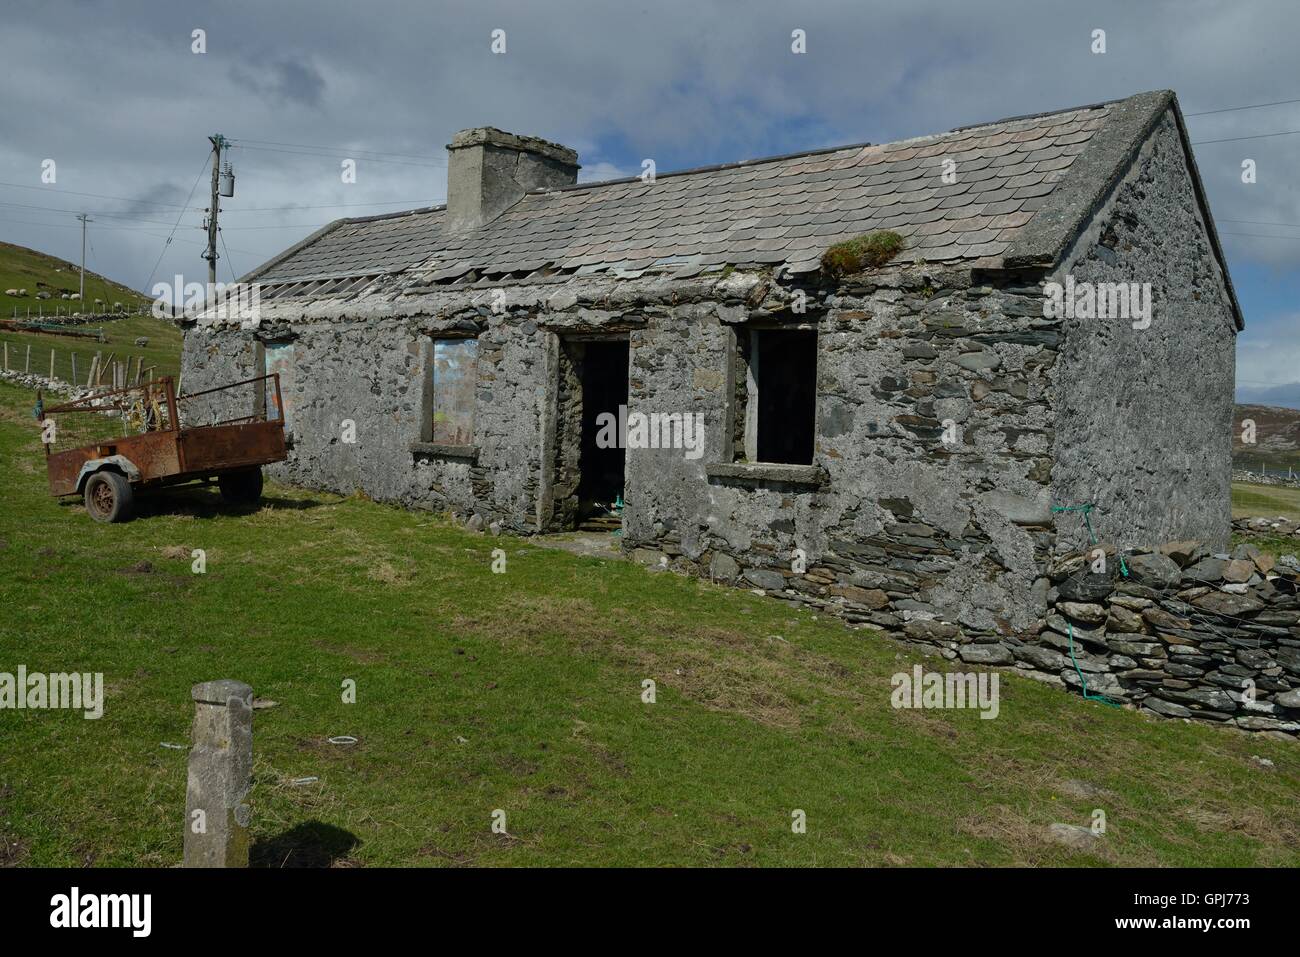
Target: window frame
x=745, y=348
x=427, y=443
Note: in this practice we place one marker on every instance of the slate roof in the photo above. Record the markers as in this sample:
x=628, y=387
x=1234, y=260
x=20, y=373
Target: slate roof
x=782, y=211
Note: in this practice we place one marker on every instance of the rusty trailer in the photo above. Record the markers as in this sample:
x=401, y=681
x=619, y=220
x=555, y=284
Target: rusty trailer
x=159, y=446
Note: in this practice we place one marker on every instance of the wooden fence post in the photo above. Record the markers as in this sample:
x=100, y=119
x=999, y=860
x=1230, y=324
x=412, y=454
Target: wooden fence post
x=27, y=363
x=51, y=363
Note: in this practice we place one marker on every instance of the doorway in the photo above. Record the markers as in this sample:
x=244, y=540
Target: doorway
x=591, y=454
x=602, y=462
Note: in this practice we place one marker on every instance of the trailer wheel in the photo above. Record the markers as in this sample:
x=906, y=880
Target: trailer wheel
x=241, y=488
x=109, y=497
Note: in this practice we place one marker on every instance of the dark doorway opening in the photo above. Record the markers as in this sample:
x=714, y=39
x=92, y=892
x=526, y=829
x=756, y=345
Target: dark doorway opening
x=787, y=395
x=602, y=458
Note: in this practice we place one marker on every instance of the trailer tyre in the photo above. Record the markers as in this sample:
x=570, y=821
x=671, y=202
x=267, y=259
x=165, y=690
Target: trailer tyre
x=109, y=497
x=241, y=488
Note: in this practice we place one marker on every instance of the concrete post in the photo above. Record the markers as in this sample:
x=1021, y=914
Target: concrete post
x=220, y=775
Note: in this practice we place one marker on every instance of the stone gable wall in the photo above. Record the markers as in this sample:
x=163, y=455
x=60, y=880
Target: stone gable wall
x=1144, y=416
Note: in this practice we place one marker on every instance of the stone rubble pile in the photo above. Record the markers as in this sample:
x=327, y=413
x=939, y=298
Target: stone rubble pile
x=1257, y=478
x=1279, y=527
x=30, y=380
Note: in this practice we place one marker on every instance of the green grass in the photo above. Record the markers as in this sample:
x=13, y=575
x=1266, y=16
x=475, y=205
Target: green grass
x=1265, y=501
x=23, y=268
x=163, y=351
x=522, y=692
x=862, y=252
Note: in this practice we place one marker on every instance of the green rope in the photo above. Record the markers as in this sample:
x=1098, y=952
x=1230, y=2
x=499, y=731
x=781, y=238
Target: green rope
x=1087, y=508
x=1084, y=681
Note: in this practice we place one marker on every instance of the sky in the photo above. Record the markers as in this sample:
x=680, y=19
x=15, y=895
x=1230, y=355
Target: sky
x=118, y=96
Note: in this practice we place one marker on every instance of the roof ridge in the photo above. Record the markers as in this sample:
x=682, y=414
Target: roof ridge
x=401, y=212
x=738, y=164
x=1037, y=116
x=542, y=191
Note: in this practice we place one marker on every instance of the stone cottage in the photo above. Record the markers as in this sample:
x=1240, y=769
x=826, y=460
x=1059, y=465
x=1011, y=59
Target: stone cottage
x=1056, y=330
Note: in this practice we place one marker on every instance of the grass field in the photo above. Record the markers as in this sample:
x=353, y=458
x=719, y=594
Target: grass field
x=522, y=692
x=23, y=268
x=163, y=351
x=1265, y=501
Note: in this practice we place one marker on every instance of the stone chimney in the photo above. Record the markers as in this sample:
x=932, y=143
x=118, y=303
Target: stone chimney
x=489, y=170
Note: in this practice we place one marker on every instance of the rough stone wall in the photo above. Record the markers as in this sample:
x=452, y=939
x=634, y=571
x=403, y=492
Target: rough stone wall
x=906, y=526
x=374, y=374
x=1144, y=416
x=1181, y=630
x=568, y=436
x=212, y=359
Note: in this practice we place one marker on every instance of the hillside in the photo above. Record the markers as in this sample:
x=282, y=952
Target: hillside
x=521, y=693
x=1277, y=438
x=23, y=268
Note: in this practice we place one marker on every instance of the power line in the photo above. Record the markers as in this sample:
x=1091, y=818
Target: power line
x=184, y=208
x=1258, y=222
x=229, y=265
x=344, y=149
x=70, y=192
x=122, y=229
x=285, y=226
x=1233, y=109
x=285, y=209
x=1256, y=235
x=1235, y=139
x=128, y=214
x=354, y=155
x=58, y=209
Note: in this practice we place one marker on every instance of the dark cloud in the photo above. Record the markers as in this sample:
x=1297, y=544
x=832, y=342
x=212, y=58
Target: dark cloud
x=117, y=97
x=287, y=82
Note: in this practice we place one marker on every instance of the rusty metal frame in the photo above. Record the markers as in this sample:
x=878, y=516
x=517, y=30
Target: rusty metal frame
x=256, y=416
x=175, y=453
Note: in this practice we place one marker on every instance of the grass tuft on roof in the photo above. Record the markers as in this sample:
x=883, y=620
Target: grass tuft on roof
x=862, y=252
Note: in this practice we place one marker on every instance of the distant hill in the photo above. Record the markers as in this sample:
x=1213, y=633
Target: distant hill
x=1277, y=438
x=23, y=268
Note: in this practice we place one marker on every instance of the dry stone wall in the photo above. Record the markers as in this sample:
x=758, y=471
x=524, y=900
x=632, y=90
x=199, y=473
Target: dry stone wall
x=1182, y=630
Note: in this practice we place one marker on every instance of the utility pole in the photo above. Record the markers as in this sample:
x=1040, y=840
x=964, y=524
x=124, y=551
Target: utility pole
x=218, y=143
x=84, y=219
